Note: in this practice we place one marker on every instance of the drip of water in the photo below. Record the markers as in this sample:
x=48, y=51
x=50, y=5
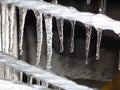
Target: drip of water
x=88, y=2
x=60, y=24
x=48, y=26
x=22, y=15
x=88, y=38
x=99, y=37
x=72, y=36
x=102, y=7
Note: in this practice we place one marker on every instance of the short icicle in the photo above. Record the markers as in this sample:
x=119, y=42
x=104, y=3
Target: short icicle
x=60, y=24
x=72, y=36
x=48, y=26
x=88, y=38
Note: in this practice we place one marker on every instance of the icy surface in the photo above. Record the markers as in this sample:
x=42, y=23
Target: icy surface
x=22, y=15
x=48, y=26
x=41, y=74
x=60, y=24
x=88, y=38
x=12, y=85
x=72, y=36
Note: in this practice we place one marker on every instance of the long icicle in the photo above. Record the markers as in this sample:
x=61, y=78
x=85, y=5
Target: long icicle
x=72, y=36
x=60, y=24
x=22, y=15
x=48, y=26
x=99, y=37
x=0, y=28
x=102, y=10
x=88, y=38
x=39, y=25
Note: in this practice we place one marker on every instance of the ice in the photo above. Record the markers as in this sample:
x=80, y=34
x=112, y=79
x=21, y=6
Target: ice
x=22, y=15
x=99, y=37
x=60, y=24
x=39, y=25
x=48, y=26
x=11, y=17
x=88, y=2
x=102, y=7
x=88, y=38
x=72, y=36
x=44, y=83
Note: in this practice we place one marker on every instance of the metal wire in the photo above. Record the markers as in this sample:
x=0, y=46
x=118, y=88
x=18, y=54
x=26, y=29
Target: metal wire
x=97, y=20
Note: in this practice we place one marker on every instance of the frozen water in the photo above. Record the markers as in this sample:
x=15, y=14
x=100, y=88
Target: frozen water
x=48, y=26
x=60, y=24
x=72, y=36
x=11, y=17
x=39, y=25
x=88, y=38
x=99, y=37
x=22, y=15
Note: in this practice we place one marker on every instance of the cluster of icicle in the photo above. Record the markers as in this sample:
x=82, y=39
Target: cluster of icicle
x=46, y=78
x=7, y=34
x=49, y=34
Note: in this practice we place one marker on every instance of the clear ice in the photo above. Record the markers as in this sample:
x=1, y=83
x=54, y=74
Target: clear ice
x=38, y=16
x=88, y=38
x=99, y=37
x=22, y=15
x=48, y=26
x=72, y=36
x=60, y=24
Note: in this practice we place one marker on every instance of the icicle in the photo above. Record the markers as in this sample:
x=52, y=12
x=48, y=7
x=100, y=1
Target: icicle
x=88, y=38
x=0, y=28
x=55, y=1
x=48, y=26
x=39, y=35
x=60, y=24
x=22, y=15
x=11, y=27
x=88, y=2
x=72, y=36
x=99, y=37
x=102, y=8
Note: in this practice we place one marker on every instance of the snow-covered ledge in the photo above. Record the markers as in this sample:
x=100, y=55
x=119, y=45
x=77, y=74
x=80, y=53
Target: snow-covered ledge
x=99, y=21
x=41, y=74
